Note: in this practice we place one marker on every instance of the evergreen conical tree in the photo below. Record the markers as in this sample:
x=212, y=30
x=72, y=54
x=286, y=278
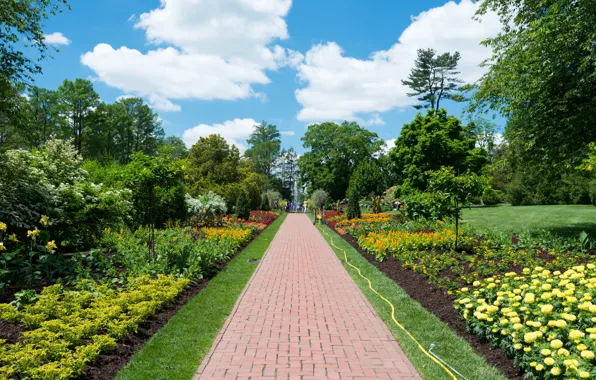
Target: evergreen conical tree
x=354, y=204
x=264, y=203
x=242, y=206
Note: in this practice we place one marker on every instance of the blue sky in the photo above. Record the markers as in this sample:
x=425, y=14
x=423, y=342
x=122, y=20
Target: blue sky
x=220, y=65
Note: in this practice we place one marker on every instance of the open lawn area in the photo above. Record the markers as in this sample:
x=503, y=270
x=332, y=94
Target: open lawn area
x=563, y=220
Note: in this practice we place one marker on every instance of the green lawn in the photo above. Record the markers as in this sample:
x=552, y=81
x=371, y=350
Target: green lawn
x=564, y=220
x=423, y=325
x=176, y=351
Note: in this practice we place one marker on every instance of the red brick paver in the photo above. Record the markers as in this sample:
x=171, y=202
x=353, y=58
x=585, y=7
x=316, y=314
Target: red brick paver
x=302, y=317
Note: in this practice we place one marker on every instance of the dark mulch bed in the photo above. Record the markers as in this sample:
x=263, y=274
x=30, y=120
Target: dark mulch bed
x=439, y=303
x=11, y=333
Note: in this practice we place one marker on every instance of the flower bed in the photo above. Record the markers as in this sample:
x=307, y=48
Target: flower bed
x=68, y=329
x=544, y=319
x=523, y=312
x=427, y=248
x=262, y=217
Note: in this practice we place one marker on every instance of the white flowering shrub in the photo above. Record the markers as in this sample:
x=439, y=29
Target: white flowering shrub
x=50, y=182
x=207, y=209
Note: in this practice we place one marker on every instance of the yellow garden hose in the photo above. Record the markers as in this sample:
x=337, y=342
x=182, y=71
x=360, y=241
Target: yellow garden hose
x=433, y=358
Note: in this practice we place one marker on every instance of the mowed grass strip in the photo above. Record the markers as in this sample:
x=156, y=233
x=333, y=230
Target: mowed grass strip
x=422, y=324
x=563, y=220
x=176, y=351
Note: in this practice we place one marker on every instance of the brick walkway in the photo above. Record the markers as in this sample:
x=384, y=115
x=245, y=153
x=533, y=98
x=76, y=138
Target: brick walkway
x=302, y=317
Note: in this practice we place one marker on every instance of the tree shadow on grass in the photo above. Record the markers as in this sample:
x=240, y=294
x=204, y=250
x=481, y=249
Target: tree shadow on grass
x=573, y=230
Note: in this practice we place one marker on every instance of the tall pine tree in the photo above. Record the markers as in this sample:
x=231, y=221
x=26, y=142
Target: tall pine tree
x=434, y=78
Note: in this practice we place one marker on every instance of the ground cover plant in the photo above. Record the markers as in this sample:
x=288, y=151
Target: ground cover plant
x=67, y=329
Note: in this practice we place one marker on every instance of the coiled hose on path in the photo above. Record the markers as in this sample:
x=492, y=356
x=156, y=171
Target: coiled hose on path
x=448, y=369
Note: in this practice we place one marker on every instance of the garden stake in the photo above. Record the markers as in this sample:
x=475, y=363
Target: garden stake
x=430, y=355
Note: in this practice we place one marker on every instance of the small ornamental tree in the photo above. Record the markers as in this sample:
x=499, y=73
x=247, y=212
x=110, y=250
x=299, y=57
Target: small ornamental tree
x=459, y=190
x=242, y=206
x=319, y=198
x=354, y=204
x=273, y=197
x=144, y=175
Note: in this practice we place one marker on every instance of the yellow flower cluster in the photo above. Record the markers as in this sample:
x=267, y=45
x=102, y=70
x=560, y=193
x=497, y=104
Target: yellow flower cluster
x=366, y=218
x=33, y=234
x=3, y=227
x=545, y=318
x=240, y=235
x=382, y=243
x=67, y=330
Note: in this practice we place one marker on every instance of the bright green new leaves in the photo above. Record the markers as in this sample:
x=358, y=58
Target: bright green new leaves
x=430, y=142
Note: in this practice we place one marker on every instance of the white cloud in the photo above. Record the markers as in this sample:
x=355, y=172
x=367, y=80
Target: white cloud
x=376, y=119
x=234, y=132
x=216, y=49
x=132, y=18
x=341, y=88
x=287, y=133
x=389, y=144
x=163, y=104
x=56, y=38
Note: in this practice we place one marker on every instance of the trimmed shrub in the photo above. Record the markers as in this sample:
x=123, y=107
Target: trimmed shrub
x=491, y=197
x=354, y=204
x=242, y=206
x=264, y=203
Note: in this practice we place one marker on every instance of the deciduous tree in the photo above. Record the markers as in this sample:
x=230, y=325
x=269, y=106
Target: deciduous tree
x=542, y=76
x=431, y=141
x=335, y=151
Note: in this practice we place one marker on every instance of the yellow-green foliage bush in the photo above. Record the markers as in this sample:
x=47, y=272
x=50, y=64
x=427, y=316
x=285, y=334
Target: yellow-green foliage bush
x=545, y=320
x=68, y=329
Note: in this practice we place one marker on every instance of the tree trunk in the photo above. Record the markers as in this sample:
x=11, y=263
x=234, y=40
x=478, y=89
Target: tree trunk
x=152, y=226
x=440, y=93
x=456, y=224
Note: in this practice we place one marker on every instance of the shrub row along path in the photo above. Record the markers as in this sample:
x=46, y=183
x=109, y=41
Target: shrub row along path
x=302, y=317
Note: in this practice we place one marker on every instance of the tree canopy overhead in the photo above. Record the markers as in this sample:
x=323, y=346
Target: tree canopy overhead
x=21, y=24
x=542, y=75
x=434, y=78
x=335, y=151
